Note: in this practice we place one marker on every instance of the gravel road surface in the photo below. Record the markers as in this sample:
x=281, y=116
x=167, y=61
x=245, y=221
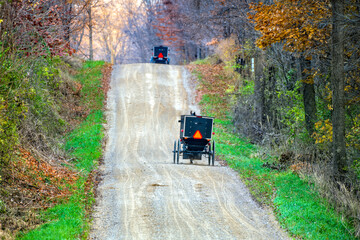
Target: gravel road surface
x=143, y=195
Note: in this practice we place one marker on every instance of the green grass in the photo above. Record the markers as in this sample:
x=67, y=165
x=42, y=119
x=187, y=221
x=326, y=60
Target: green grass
x=69, y=220
x=91, y=82
x=297, y=205
x=301, y=210
x=84, y=143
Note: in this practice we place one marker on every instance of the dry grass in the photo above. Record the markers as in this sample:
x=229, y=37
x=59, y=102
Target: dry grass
x=345, y=198
x=74, y=61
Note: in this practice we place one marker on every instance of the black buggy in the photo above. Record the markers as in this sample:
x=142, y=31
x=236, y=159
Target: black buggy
x=160, y=55
x=195, y=139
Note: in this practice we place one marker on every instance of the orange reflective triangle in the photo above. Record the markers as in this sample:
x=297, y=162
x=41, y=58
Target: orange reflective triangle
x=161, y=55
x=197, y=135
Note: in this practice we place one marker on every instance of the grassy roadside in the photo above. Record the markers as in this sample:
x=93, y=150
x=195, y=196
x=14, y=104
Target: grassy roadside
x=296, y=203
x=298, y=207
x=69, y=220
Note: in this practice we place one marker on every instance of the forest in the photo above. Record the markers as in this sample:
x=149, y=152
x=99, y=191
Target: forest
x=285, y=74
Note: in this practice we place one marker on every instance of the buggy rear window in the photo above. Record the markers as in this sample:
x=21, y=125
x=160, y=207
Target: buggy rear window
x=163, y=50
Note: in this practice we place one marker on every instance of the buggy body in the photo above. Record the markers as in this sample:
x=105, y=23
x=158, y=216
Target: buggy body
x=160, y=55
x=195, y=139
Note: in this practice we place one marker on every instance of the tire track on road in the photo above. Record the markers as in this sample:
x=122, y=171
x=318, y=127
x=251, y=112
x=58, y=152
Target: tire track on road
x=143, y=195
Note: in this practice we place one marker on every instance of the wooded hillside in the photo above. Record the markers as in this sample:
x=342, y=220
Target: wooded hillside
x=289, y=82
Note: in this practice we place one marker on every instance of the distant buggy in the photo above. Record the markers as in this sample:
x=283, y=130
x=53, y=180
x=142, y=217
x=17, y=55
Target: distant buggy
x=195, y=139
x=160, y=55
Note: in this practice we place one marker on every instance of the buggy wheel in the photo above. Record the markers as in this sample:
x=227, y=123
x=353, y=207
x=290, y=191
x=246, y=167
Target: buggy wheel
x=209, y=155
x=174, y=150
x=213, y=152
x=178, y=152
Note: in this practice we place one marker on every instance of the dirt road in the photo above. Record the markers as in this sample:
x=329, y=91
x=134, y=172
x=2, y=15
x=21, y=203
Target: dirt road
x=144, y=195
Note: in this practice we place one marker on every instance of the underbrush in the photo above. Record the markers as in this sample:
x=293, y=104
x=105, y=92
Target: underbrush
x=31, y=136
x=277, y=181
x=69, y=219
x=298, y=206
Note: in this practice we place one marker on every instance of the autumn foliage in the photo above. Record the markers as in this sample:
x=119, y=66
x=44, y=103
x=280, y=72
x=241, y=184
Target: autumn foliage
x=300, y=25
x=304, y=28
x=50, y=182
x=166, y=25
x=213, y=84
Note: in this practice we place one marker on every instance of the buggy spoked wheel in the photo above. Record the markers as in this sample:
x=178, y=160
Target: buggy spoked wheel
x=213, y=153
x=178, y=152
x=174, y=150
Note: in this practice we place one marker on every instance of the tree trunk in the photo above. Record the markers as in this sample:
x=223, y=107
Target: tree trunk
x=66, y=21
x=112, y=57
x=112, y=50
x=91, y=50
x=337, y=83
x=310, y=106
x=197, y=4
x=80, y=40
x=308, y=96
x=69, y=24
x=259, y=89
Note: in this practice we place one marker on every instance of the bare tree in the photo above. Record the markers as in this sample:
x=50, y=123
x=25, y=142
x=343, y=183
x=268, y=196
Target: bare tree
x=90, y=26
